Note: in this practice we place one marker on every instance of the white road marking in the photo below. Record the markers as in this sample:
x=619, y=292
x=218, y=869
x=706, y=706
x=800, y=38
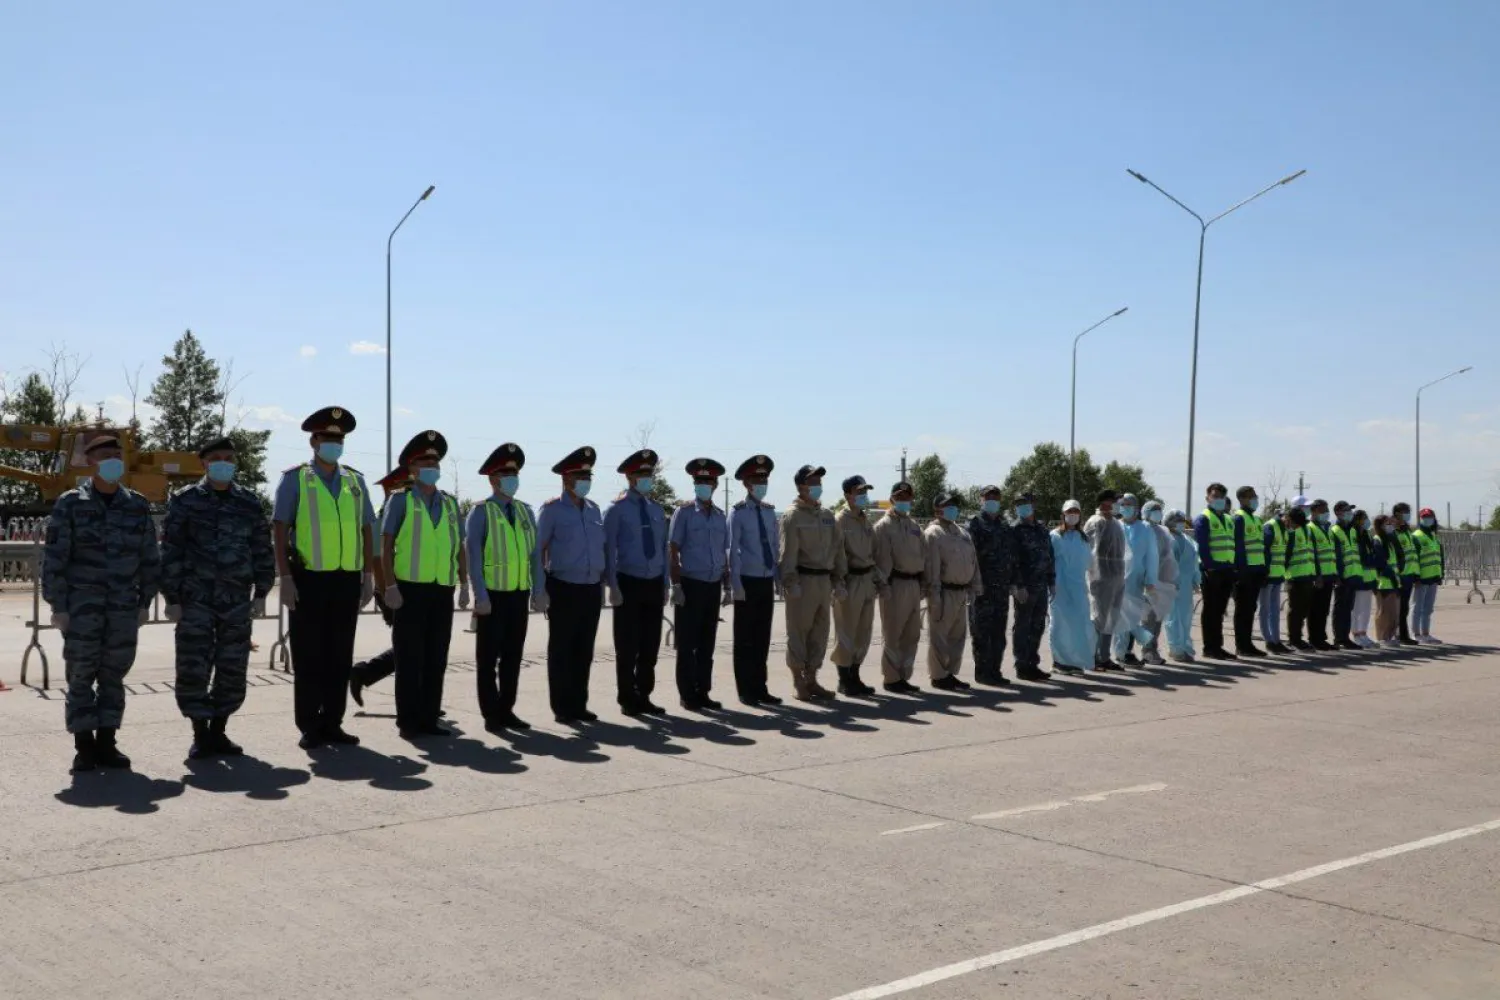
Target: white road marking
x=913, y=829
x=1050, y=806
x=993, y=959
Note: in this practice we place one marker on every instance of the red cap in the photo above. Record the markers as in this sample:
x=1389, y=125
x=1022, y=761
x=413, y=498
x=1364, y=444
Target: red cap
x=1426, y=512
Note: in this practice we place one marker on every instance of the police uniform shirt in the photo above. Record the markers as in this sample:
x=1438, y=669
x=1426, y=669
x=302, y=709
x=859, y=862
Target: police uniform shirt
x=289, y=492
x=747, y=556
x=477, y=533
x=701, y=534
x=573, y=539
x=625, y=539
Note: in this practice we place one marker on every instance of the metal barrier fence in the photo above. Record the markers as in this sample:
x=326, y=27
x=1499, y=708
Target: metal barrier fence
x=1473, y=557
x=20, y=529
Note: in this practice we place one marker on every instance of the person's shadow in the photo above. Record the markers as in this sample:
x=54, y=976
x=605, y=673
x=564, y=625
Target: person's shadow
x=351, y=763
x=573, y=746
x=461, y=751
x=252, y=776
x=124, y=791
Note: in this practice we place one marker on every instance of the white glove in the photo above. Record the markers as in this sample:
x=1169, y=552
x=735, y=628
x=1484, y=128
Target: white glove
x=60, y=620
x=463, y=597
x=1019, y=593
x=143, y=616
x=367, y=590
x=540, y=602
x=736, y=593
x=678, y=598
x=258, y=608
x=841, y=593
x=393, y=598
x=172, y=612
x=616, y=598
x=482, y=606
x=287, y=590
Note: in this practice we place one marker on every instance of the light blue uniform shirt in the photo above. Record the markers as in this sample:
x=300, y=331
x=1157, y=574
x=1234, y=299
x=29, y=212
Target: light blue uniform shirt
x=572, y=538
x=624, y=539
x=289, y=493
x=747, y=557
x=477, y=533
x=701, y=534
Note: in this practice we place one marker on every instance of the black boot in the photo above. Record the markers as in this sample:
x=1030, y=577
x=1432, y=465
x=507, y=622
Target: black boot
x=105, y=751
x=202, y=745
x=357, y=683
x=83, y=757
x=220, y=741
x=847, y=684
x=861, y=689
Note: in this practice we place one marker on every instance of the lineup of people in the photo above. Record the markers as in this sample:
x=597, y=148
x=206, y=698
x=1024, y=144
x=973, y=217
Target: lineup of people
x=1120, y=580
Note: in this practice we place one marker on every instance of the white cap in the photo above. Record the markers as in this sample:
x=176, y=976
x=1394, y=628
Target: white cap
x=1301, y=501
x=1072, y=505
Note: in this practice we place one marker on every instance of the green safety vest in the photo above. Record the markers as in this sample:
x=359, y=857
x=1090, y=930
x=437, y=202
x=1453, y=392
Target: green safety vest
x=1299, y=564
x=330, y=530
x=1255, y=544
x=1276, y=551
x=424, y=552
x=1409, y=561
x=1220, y=538
x=1389, y=581
x=1429, y=555
x=1354, y=567
x=508, y=547
x=1328, y=560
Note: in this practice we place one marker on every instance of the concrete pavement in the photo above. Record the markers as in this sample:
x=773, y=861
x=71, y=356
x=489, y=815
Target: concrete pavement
x=800, y=853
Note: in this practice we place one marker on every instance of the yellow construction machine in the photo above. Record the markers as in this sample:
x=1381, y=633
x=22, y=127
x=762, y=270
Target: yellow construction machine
x=151, y=473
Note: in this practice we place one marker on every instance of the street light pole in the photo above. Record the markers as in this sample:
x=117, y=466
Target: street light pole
x=1429, y=385
x=1073, y=414
x=388, y=239
x=1198, y=301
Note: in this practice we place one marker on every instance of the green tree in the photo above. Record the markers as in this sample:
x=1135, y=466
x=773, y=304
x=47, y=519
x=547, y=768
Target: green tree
x=1045, y=474
x=250, y=454
x=189, y=396
x=32, y=402
x=1494, y=523
x=928, y=476
x=1124, y=478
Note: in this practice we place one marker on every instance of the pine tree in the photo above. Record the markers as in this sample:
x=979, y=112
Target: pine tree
x=190, y=399
x=32, y=402
x=928, y=476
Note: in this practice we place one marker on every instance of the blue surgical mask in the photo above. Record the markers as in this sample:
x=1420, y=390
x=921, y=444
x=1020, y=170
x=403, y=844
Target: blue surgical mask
x=1253, y=504
x=815, y=493
x=509, y=485
x=1346, y=517
x=1389, y=529
x=1218, y=504
x=703, y=491
x=950, y=513
x=331, y=451
x=758, y=491
x=1323, y=519
x=1428, y=522
x=429, y=475
x=581, y=487
x=861, y=499
x=902, y=506
x=111, y=470
x=992, y=506
x=1024, y=511
x=1127, y=512
x=221, y=472
x=1154, y=516
x=643, y=485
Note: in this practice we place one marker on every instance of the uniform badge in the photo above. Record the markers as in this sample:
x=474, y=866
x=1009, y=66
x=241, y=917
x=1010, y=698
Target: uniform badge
x=337, y=413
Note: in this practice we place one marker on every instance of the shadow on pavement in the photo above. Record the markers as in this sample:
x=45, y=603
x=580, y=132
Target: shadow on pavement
x=650, y=738
x=574, y=746
x=701, y=727
x=123, y=791
x=252, y=776
x=460, y=751
x=391, y=774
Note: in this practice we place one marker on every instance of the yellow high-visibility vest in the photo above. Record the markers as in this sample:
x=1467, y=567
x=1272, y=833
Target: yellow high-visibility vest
x=508, y=547
x=1255, y=543
x=1276, y=551
x=1220, y=538
x=424, y=552
x=330, y=530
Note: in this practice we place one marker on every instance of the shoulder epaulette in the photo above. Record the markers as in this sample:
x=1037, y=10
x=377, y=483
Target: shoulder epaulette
x=294, y=468
x=549, y=502
x=741, y=504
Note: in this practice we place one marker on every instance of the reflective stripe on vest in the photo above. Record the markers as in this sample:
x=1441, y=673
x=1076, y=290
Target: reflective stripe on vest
x=1255, y=543
x=1300, y=550
x=1276, y=551
x=508, y=548
x=1429, y=555
x=1220, y=538
x=329, y=529
x=1354, y=567
x=424, y=552
x=1409, y=563
x=1328, y=560
x=1389, y=581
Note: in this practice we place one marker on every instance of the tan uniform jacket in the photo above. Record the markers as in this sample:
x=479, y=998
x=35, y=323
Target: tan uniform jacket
x=810, y=537
x=951, y=559
x=858, y=536
x=898, y=547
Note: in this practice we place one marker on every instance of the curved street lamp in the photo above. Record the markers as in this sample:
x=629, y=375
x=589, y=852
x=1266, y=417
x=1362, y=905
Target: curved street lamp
x=1429, y=385
x=425, y=194
x=1073, y=417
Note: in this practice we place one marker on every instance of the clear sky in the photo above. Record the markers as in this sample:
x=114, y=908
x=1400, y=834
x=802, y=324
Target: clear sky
x=824, y=231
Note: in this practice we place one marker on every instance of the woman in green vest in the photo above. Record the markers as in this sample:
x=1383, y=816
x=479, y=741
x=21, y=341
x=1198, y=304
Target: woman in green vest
x=1386, y=557
x=1364, y=593
x=1429, y=576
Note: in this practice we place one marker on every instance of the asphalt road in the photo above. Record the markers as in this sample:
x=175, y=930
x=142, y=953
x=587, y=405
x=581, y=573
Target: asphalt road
x=1324, y=827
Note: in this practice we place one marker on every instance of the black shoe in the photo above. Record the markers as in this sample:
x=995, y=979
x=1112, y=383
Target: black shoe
x=106, y=754
x=1071, y=671
x=433, y=729
x=1277, y=648
x=564, y=719
x=710, y=704
x=587, y=716
x=1250, y=652
x=902, y=687
x=311, y=740
x=202, y=743
x=693, y=704
x=847, y=685
x=220, y=740
x=357, y=686
x=1032, y=674
x=1131, y=660
x=83, y=758
x=1410, y=642
x=651, y=708
x=751, y=701
x=992, y=680
x=1107, y=665
x=948, y=684
x=337, y=735
x=859, y=688
x=1300, y=646
x=1350, y=644
x=767, y=698
x=508, y=721
x=1321, y=646
x=631, y=710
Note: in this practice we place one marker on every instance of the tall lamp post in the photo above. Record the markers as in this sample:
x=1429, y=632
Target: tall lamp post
x=388, y=239
x=1073, y=414
x=1198, y=302
x=1429, y=385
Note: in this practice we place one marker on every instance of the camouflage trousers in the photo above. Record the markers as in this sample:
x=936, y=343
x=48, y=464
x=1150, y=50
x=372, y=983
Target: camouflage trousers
x=213, y=654
x=98, y=650
x=988, y=616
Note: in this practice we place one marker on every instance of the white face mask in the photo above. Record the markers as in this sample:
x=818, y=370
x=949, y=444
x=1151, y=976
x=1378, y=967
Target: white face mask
x=1070, y=518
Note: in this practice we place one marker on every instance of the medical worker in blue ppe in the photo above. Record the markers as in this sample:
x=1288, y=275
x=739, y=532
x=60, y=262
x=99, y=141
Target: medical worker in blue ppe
x=1072, y=636
x=1179, y=624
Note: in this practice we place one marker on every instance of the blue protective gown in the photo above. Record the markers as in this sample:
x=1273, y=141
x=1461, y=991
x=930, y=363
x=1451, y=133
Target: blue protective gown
x=1141, y=565
x=1073, y=637
x=1179, y=625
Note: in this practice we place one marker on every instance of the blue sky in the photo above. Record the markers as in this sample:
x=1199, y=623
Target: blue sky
x=825, y=231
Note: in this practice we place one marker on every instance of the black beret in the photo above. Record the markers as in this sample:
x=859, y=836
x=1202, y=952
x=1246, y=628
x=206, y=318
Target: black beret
x=330, y=420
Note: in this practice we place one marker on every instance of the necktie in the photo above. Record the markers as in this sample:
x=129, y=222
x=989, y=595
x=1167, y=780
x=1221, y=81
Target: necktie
x=765, y=543
x=648, y=537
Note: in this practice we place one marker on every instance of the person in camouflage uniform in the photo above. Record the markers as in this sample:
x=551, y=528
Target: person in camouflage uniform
x=1036, y=575
x=995, y=544
x=99, y=575
x=216, y=569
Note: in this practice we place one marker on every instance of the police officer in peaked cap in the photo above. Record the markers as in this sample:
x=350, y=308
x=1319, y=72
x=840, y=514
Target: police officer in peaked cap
x=570, y=535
